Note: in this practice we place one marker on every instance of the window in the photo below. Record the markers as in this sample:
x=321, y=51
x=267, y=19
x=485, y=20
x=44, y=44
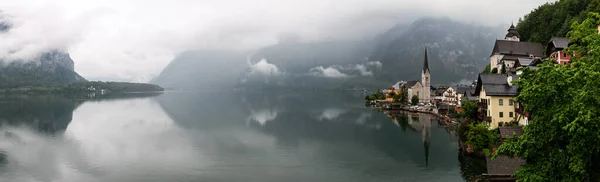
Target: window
x=500, y=101
x=501, y=114
x=510, y=102
x=510, y=114
x=564, y=55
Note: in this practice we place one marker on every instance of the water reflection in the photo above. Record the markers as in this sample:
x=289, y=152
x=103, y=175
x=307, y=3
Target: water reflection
x=330, y=114
x=233, y=137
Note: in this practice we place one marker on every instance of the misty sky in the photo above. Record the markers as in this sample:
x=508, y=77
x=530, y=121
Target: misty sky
x=133, y=40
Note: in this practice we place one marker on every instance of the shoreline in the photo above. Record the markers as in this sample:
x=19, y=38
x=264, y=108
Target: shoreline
x=443, y=120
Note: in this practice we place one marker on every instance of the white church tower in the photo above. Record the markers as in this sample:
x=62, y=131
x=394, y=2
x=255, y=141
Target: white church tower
x=425, y=80
x=512, y=34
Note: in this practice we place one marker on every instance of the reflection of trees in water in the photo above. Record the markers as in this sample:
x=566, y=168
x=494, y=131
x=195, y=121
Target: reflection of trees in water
x=47, y=114
x=471, y=167
x=3, y=162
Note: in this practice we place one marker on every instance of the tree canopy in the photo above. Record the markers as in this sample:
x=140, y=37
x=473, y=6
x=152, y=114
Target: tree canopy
x=562, y=141
x=554, y=19
x=414, y=100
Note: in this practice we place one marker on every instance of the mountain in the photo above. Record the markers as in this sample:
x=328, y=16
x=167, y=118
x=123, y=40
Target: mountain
x=49, y=69
x=457, y=51
x=202, y=69
x=299, y=58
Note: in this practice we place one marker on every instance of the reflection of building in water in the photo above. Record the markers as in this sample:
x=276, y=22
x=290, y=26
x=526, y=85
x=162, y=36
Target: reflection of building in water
x=422, y=123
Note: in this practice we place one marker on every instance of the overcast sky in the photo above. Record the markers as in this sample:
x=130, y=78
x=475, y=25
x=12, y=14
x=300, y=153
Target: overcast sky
x=133, y=40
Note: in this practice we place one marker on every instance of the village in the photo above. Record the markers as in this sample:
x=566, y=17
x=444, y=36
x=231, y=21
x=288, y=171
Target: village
x=490, y=99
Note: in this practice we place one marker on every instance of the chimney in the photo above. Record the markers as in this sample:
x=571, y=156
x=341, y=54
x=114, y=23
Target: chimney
x=509, y=79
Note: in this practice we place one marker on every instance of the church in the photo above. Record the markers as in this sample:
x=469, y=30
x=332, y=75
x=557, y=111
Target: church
x=511, y=51
x=419, y=88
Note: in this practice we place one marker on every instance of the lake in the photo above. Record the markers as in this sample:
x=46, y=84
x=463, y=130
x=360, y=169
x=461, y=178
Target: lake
x=221, y=136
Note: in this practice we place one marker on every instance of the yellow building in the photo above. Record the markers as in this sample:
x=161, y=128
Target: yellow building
x=389, y=95
x=496, y=104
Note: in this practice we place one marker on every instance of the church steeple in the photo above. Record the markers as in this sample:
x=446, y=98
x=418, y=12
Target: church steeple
x=426, y=62
x=512, y=34
x=425, y=80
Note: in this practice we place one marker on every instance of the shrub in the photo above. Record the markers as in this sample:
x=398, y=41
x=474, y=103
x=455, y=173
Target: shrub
x=480, y=138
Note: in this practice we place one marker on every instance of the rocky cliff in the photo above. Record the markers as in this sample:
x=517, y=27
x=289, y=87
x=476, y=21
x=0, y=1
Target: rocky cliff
x=51, y=68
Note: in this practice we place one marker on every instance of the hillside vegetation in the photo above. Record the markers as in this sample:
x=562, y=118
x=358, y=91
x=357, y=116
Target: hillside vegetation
x=554, y=19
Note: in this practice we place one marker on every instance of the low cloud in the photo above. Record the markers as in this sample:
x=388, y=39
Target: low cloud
x=329, y=72
x=264, y=68
x=363, y=70
x=376, y=64
x=136, y=39
x=337, y=71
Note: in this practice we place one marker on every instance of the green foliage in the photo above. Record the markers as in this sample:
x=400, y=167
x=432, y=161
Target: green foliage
x=451, y=111
x=561, y=143
x=414, y=100
x=581, y=36
x=404, y=98
x=397, y=97
x=469, y=110
x=495, y=70
x=376, y=96
x=486, y=69
x=480, y=137
x=554, y=19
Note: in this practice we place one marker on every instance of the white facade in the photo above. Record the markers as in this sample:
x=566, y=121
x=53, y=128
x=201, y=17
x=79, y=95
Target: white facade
x=495, y=60
x=425, y=95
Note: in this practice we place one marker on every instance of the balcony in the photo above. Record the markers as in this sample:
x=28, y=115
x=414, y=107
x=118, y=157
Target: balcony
x=482, y=105
x=482, y=110
x=519, y=108
x=482, y=116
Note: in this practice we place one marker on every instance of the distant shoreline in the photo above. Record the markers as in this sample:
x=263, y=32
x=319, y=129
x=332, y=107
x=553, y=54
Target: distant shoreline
x=87, y=88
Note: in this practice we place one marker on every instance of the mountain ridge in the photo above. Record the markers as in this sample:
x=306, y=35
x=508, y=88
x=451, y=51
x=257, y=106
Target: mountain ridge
x=457, y=51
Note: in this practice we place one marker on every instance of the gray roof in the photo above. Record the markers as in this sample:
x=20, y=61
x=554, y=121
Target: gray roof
x=560, y=42
x=525, y=61
x=513, y=58
x=426, y=62
x=469, y=98
x=496, y=85
x=412, y=83
x=501, y=90
x=493, y=79
x=503, y=165
x=510, y=131
x=463, y=89
x=512, y=31
x=516, y=48
x=440, y=90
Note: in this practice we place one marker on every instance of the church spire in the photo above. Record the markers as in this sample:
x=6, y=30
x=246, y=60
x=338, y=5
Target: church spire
x=426, y=62
x=512, y=34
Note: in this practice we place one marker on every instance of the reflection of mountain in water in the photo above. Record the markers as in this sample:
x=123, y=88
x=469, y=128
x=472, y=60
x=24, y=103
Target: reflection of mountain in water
x=332, y=118
x=48, y=114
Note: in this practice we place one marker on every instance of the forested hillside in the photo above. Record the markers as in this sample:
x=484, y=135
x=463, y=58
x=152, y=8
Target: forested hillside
x=554, y=19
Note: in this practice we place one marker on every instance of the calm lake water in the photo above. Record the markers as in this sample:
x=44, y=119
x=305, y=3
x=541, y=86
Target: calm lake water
x=221, y=136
